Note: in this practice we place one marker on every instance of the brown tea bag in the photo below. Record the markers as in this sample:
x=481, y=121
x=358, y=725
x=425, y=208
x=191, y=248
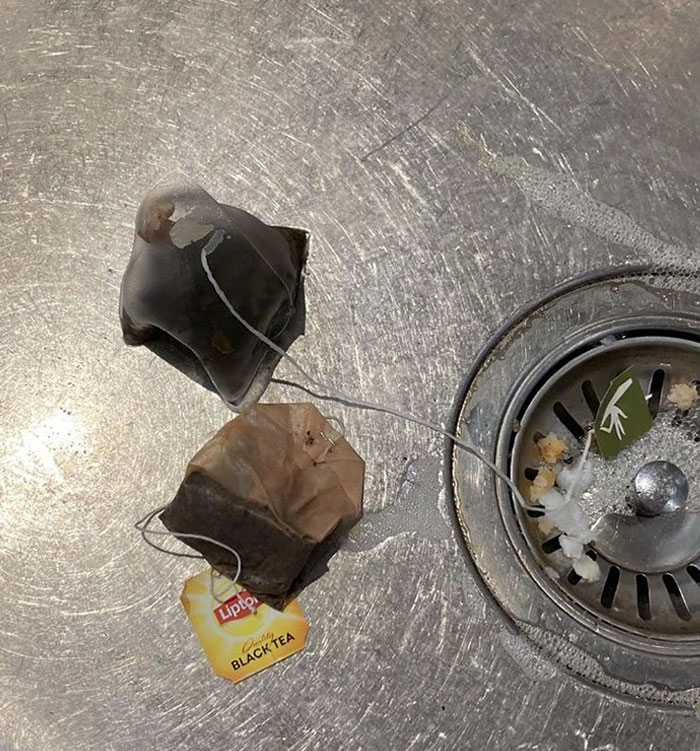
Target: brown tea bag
x=278, y=485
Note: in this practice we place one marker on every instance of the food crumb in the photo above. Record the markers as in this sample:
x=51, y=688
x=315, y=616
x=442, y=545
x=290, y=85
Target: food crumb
x=552, y=448
x=683, y=396
x=545, y=525
x=576, y=478
x=544, y=480
x=572, y=547
x=587, y=569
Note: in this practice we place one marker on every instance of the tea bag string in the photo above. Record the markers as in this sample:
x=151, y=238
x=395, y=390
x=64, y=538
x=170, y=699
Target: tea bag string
x=212, y=244
x=580, y=467
x=143, y=526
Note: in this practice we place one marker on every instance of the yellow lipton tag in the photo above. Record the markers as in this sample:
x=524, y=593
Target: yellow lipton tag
x=241, y=636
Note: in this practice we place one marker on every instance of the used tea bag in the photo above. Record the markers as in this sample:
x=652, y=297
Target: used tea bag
x=165, y=289
x=278, y=485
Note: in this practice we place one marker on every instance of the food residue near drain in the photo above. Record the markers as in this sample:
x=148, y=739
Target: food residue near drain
x=552, y=448
x=544, y=480
x=575, y=495
x=683, y=395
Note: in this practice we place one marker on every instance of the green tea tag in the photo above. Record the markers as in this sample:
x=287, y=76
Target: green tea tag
x=623, y=415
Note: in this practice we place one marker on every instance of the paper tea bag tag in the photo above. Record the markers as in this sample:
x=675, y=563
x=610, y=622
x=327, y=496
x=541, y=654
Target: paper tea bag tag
x=241, y=636
x=623, y=415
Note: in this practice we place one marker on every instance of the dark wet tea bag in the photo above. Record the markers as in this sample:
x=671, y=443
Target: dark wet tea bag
x=166, y=292
x=280, y=486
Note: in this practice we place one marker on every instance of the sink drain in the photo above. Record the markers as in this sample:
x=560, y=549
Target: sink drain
x=637, y=628
x=648, y=562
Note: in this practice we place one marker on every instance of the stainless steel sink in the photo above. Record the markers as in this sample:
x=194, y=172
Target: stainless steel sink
x=580, y=153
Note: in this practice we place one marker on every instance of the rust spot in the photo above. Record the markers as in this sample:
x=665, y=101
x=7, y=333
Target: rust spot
x=211, y=304
x=157, y=223
x=221, y=342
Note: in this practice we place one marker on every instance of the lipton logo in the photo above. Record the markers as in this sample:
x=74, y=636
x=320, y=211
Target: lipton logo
x=239, y=606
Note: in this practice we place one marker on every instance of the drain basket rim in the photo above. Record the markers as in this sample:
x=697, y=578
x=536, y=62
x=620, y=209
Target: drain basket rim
x=526, y=395
x=615, y=679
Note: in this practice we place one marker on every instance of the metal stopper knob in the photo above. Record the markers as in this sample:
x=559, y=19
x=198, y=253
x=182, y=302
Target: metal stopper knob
x=659, y=488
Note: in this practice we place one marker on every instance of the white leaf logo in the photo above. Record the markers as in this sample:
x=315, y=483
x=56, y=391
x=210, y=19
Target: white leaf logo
x=613, y=415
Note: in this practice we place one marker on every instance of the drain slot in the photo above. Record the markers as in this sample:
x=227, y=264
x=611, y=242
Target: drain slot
x=676, y=596
x=656, y=386
x=589, y=394
x=694, y=573
x=551, y=545
x=573, y=577
x=569, y=421
x=610, y=588
x=643, y=602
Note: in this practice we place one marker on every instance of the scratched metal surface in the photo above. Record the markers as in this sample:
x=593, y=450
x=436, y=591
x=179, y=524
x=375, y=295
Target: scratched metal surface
x=339, y=117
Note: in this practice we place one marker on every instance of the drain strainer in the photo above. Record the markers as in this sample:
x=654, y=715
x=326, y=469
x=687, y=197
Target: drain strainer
x=636, y=629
